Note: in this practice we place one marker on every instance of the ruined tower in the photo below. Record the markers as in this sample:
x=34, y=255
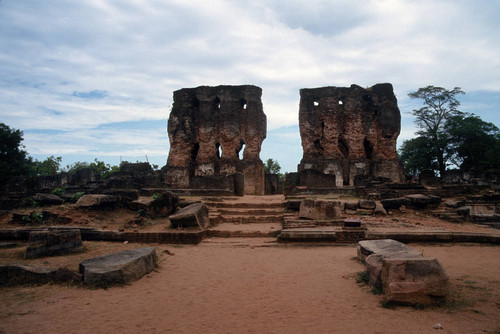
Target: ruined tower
x=348, y=135
x=216, y=133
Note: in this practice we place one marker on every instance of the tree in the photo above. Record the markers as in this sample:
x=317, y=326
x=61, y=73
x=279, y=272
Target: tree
x=49, y=166
x=100, y=168
x=474, y=144
x=439, y=105
x=14, y=160
x=416, y=154
x=272, y=167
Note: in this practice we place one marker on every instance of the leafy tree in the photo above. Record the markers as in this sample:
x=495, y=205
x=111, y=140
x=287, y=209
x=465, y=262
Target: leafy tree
x=14, y=160
x=474, y=143
x=49, y=166
x=272, y=167
x=439, y=105
x=417, y=154
x=100, y=168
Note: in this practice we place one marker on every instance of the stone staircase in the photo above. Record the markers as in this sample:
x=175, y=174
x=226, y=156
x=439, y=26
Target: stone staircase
x=240, y=211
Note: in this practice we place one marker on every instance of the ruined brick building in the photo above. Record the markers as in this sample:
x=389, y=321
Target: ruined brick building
x=348, y=135
x=215, y=137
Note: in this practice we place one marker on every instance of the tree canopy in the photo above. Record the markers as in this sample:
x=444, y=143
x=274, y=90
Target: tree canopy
x=448, y=136
x=14, y=160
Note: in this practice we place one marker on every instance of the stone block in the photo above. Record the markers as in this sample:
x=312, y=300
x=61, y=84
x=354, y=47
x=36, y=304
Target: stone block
x=351, y=205
x=319, y=209
x=384, y=247
x=51, y=243
x=420, y=201
x=18, y=273
x=415, y=281
x=194, y=215
x=367, y=205
x=393, y=203
x=162, y=206
x=96, y=200
x=118, y=268
x=379, y=209
x=48, y=199
x=403, y=273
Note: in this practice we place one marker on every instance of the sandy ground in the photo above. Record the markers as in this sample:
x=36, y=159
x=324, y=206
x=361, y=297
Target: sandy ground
x=255, y=286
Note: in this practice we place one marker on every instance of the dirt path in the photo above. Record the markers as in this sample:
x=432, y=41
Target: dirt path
x=239, y=286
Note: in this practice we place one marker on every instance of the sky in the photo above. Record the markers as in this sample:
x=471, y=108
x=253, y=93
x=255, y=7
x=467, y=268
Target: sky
x=94, y=79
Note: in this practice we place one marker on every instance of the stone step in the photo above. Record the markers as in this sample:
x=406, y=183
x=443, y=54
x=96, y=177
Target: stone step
x=249, y=219
x=249, y=212
x=307, y=235
x=244, y=205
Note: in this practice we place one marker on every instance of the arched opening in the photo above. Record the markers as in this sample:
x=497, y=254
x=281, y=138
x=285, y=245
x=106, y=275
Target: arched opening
x=343, y=148
x=194, y=151
x=219, y=150
x=368, y=148
x=217, y=103
x=243, y=103
x=241, y=150
x=317, y=145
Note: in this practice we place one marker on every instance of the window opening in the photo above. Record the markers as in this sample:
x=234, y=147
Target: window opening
x=343, y=148
x=243, y=103
x=368, y=148
x=240, y=152
x=219, y=150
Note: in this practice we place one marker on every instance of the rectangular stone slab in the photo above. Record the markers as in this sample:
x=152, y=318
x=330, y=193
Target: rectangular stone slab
x=118, y=268
x=384, y=247
x=194, y=215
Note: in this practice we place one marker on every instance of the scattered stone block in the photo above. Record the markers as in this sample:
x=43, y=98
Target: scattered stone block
x=319, y=209
x=393, y=203
x=367, y=205
x=118, y=268
x=51, y=243
x=403, y=273
x=96, y=200
x=194, y=215
x=420, y=201
x=383, y=247
x=18, y=273
x=379, y=209
x=48, y=199
x=351, y=205
x=415, y=281
x=162, y=206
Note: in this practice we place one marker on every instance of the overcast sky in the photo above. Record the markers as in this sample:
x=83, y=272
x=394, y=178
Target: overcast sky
x=94, y=79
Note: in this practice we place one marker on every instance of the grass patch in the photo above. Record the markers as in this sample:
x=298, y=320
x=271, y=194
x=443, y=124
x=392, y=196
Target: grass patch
x=362, y=277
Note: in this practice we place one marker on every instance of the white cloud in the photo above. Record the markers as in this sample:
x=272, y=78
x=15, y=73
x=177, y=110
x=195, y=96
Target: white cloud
x=139, y=52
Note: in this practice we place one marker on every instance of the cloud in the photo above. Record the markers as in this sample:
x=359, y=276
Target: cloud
x=77, y=66
x=93, y=94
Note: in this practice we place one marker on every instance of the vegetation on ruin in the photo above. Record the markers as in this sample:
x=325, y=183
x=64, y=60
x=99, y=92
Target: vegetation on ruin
x=15, y=161
x=449, y=137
